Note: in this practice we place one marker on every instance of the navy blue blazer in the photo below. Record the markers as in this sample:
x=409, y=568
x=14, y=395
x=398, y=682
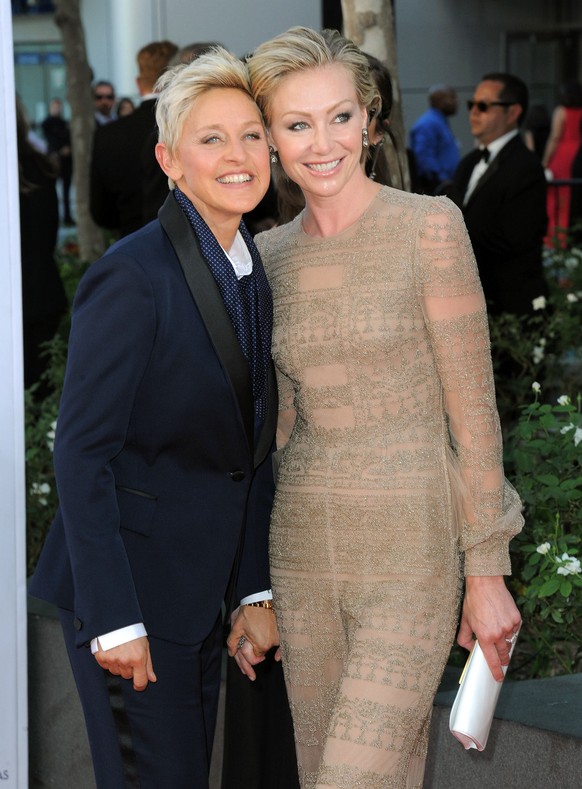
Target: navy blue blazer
x=155, y=463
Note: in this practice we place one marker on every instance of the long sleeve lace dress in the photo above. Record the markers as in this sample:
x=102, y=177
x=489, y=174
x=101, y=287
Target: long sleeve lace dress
x=391, y=479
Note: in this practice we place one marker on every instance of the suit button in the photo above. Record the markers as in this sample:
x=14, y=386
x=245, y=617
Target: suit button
x=77, y=624
x=237, y=476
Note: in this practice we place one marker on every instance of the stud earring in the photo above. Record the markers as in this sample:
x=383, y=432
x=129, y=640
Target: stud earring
x=273, y=155
x=365, y=141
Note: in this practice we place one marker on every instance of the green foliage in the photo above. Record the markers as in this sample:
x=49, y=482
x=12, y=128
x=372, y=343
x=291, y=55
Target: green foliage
x=546, y=458
x=543, y=452
x=545, y=346
x=40, y=422
x=543, y=352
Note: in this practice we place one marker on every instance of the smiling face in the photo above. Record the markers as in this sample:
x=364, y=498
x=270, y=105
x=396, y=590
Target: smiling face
x=316, y=126
x=221, y=161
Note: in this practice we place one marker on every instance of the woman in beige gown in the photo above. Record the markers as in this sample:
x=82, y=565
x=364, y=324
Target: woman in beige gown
x=391, y=479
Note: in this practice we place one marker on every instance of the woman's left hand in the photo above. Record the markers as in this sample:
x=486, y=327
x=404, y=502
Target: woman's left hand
x=490, y=613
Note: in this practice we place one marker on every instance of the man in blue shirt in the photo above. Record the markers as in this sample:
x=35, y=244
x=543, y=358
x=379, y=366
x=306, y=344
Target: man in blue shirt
x=433, y=144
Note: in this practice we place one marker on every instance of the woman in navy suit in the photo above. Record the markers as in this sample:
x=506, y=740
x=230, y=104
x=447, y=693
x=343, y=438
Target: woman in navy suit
x=164, y=441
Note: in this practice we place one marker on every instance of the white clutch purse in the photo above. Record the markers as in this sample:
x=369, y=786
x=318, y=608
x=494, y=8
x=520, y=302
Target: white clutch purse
x=475, y=702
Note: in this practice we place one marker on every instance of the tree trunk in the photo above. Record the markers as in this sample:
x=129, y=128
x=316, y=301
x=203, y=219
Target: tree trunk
x=370, y=24
x=68, y=19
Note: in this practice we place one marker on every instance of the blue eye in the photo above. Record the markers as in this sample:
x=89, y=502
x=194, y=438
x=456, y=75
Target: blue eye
x=299, y=126
x=343, y=117
x=214, y=138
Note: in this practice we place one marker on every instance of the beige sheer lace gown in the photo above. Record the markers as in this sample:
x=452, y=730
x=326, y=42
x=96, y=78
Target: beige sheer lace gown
x=382, y=349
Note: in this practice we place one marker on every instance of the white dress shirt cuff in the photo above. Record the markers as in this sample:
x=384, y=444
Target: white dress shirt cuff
x=118, y=637
x=255, y=598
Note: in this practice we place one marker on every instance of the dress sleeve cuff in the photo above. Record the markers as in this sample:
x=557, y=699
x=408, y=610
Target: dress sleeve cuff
x=490, y=557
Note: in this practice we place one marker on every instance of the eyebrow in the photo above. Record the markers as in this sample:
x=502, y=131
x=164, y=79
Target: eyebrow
x=221, y=126
x=306, y=113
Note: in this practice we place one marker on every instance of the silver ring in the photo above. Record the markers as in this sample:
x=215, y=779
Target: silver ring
x=241, y=642
x=512, y=639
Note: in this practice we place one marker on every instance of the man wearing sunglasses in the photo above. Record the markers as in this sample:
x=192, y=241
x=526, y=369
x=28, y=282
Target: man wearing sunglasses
x=501, y=189
x=104, y=100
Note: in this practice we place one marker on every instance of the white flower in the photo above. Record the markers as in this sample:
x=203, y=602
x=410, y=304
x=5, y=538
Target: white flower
x=543, y=548
x=539, y=303
x=563, y=400
x=51, y=436
x=571, y=263
x=577, y=432
x=37, y=489
x=538, y=354
x=41, y=491
x=571, y=297
x=535, y=386
x=569, y=565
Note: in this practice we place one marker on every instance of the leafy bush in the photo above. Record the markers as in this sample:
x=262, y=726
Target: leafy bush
x=545, y=346
x=546, y=458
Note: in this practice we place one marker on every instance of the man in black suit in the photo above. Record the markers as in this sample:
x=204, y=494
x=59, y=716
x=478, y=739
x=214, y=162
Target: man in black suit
x=127, y=184
x=501, y=190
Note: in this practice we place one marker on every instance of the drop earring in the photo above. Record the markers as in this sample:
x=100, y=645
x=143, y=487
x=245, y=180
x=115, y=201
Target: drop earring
x=273, y=155
x=365, y=141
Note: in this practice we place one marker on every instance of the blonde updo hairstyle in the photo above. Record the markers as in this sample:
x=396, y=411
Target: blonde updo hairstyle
x=179, y=87
x=300, y=49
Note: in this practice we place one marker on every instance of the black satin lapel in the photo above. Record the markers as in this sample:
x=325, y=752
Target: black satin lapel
x=498, y=162
x=270, y=422
x=211, y=307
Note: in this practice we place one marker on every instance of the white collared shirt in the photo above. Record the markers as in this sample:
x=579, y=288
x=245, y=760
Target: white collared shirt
x=482, y=165
x=239, y=256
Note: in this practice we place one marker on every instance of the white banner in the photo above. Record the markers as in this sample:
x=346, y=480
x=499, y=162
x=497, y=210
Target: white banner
x=13, y=709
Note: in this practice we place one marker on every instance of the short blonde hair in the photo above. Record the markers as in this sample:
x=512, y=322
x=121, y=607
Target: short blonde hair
x=180, y=86
x=300, y=49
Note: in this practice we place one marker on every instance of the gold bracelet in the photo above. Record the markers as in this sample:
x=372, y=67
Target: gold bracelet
x=268, y=604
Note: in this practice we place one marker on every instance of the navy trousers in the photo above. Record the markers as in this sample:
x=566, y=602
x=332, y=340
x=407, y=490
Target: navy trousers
x=167, y=742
